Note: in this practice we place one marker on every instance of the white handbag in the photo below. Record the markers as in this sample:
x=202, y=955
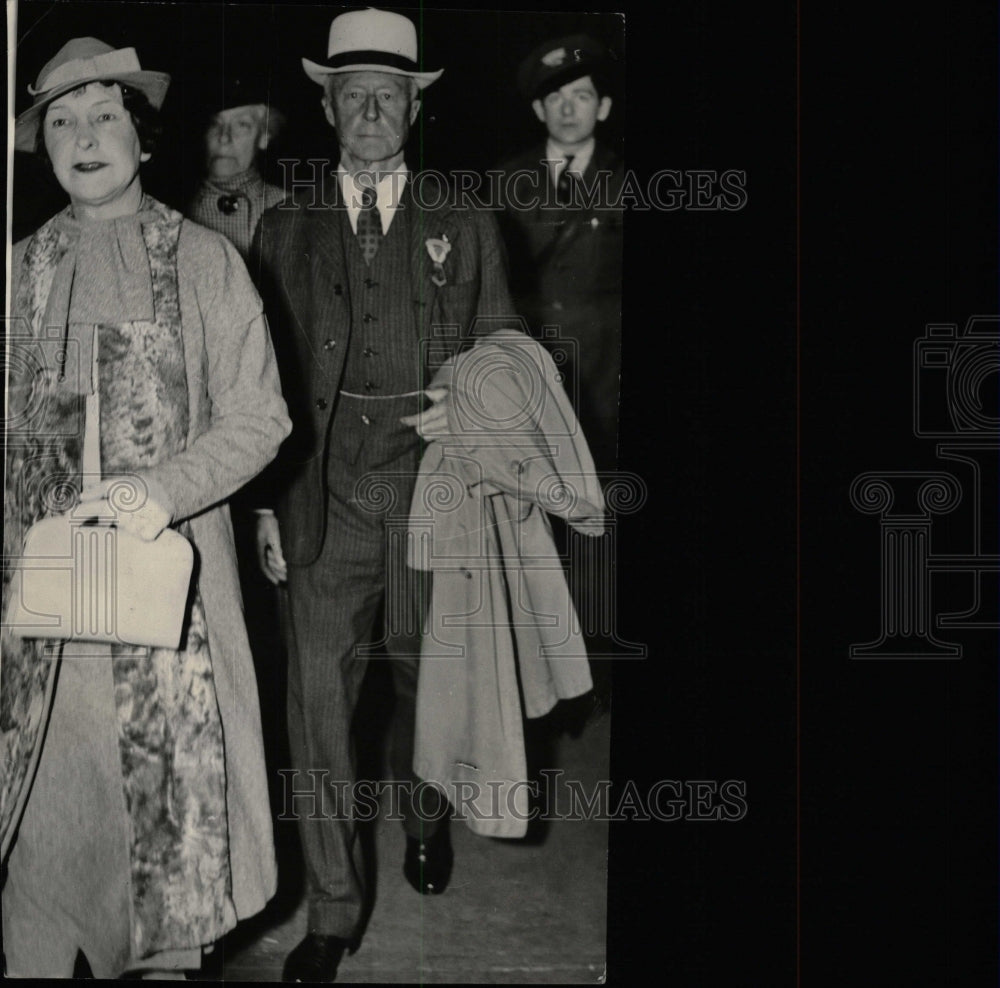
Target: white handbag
x=81, y=578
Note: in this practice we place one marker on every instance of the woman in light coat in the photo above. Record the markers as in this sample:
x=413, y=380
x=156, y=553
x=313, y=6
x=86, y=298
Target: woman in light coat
x=133, y=797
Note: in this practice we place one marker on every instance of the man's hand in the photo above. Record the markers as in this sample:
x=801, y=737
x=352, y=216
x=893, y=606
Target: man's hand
x=269, y=555
x=432, y=423
x=145, y=521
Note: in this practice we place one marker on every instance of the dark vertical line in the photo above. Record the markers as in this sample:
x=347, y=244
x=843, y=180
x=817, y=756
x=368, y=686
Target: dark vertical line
x=798, y=493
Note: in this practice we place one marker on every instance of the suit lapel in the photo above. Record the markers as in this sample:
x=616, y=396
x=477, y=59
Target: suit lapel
x=329, y=284
x=426, y=224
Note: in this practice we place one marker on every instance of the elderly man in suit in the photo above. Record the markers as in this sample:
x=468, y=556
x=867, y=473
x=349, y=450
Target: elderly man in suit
x=371, y=281
x=563, y=227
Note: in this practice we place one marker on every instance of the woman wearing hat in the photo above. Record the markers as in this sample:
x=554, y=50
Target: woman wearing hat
x=233, y=193
x=133, y=799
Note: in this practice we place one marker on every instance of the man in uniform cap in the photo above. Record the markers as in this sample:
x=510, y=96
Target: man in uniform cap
x=563, y=230
x=355, y=272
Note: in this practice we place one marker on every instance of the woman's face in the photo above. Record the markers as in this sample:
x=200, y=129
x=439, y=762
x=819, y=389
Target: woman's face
x=232, y=140
x=95, y=152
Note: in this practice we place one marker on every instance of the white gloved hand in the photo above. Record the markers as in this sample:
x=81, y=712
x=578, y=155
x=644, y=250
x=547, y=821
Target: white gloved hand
x=135, y=511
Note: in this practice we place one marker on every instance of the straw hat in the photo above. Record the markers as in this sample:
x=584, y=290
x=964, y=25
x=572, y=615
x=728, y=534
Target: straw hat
x=371, y=40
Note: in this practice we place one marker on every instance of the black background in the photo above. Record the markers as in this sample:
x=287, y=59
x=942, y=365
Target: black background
x=869, y=852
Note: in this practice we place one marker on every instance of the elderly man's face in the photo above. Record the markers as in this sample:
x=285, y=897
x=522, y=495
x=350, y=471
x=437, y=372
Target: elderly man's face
x=571, y=112
x=372, y=113
x=233, y=139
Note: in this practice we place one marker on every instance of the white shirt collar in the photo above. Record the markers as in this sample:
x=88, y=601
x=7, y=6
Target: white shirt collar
x=581, y=158
x=388, y=194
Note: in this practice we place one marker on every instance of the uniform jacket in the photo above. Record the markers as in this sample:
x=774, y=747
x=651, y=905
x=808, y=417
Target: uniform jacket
x=566, y=272
x=298, y=261
x=503, y=639
x=563, y=253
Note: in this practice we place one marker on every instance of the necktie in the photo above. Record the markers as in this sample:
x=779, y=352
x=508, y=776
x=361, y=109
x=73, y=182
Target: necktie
x=369, y=225
x=564, y=184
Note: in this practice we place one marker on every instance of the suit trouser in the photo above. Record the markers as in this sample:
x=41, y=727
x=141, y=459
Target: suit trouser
x=328, y=616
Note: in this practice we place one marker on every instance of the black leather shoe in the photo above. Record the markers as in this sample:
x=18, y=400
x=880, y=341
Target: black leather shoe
x=427, y=865
x=315, y=959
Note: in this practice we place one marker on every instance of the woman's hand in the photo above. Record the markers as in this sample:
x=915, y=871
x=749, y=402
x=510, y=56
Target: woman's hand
x=134, y=510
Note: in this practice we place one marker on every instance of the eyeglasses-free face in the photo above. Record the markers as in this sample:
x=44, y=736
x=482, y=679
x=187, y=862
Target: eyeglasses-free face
x=94, y=149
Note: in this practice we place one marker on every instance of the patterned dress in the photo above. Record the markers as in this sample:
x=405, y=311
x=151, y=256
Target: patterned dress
x=113, y=754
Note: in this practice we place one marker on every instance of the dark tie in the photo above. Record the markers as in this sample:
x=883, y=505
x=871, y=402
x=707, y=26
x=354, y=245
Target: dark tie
x=369, y=225
x=564, y=184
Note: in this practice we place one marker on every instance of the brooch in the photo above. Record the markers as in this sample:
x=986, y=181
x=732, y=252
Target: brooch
x=438, y=249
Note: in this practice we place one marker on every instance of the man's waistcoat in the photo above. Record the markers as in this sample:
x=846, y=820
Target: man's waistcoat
x=383, y=356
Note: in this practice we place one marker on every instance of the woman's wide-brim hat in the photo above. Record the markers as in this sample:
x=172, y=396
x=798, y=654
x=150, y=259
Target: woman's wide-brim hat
x=78, y=62
x=371, y=40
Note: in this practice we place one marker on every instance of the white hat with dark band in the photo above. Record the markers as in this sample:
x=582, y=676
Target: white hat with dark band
x=371, y=40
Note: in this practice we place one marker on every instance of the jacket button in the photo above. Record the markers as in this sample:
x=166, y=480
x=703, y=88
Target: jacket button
x=329, y=344
x=370, y=386
x=369, y=351
x=338, y=289
x=366, y=420
x=515, y=466
x=369, y=283
x=321, y=403
x=368, y=317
